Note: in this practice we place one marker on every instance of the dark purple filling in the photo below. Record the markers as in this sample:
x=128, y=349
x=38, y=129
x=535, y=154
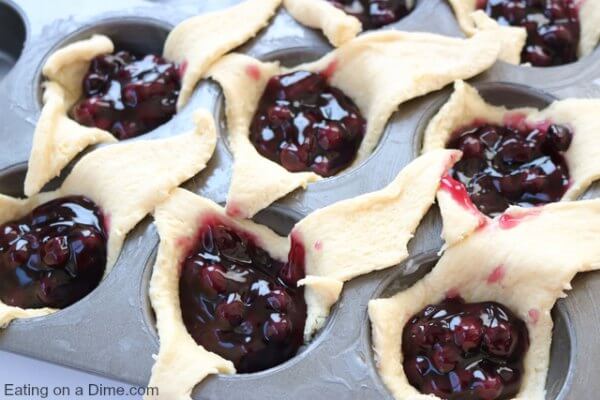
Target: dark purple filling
x=504, y=165
x=128, y=95
x=467, y=351
x=239, y=302
x=304, y=124
x=552, y=26
x=53, y=256
x=374, y=14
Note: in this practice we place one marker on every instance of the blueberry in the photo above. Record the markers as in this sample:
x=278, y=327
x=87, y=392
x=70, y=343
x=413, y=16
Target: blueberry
x=483, y=360
x=277, y=328
x=235, y=302
x=304, y=124
x=55, y=252
x=374, y=14
x=504, y=165
x=559, y=137
x=53, y=256
x=212, y=279
x=500, y=339
x=278, y=300
x=553, y=28
x=445, y=357
x=467, y=333
x=488, y=388
x=126, y=95
x=231, y=311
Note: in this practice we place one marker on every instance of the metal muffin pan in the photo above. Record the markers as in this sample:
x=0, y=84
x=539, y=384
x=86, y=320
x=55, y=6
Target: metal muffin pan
x=111, y=331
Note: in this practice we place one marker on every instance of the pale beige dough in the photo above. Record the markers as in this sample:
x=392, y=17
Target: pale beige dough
x=463, y=10
x=199, y=41
x=256, y=181
x=589, y=18
x=513, y=38
x=470, y=20
x=127, y=180
x=466, y=105
x=195, y=43
x=526, y=268
x=332, y=256
x=337, y=26
x=400, y=67
x=57, y=138
x=181, y=363
x=376, y=230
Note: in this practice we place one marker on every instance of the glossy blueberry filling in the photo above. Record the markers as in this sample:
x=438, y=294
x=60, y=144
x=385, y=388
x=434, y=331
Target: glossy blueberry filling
x=239, y=302
x=467, y=351
x=53, y=256
x=553, y=28
x=128, y=95
x=506, y=165
x=304, y=124
x=374, y=14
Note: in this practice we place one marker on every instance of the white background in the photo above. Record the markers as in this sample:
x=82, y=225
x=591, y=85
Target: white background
x=19, y=371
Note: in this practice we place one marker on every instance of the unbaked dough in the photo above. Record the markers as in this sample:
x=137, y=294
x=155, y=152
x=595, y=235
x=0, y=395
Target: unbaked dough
x=256, y=181
x=400, y=66
x=332, y=256
x=195, y=43
x=589, y=18
x=337, y=26
x=127, y=180
x=181, y=363
x=57, y=138
x=532, y=260
x=367, y=233
x=513, y=39
x=466, y=105
x=198, y=42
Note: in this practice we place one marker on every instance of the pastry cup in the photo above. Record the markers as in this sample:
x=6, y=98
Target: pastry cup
x=466, y=105
x=364, y=234
x=195, y=44
x=181, y=363
x=513, y=39
x=525, y=265
x=399, y=65
x=126, y=181
x=331, y=257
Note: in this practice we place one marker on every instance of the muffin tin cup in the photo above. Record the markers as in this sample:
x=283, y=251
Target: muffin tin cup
x=12, y=36
x=111, y=331
x=571, y=348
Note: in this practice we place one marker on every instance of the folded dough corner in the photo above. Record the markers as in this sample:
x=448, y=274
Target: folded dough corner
x=127, y=180
x=400, y=67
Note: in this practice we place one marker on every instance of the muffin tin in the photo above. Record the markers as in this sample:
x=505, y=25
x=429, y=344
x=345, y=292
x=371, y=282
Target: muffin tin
x=111, y=331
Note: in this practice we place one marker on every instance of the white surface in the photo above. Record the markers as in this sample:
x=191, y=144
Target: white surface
x=24, y=372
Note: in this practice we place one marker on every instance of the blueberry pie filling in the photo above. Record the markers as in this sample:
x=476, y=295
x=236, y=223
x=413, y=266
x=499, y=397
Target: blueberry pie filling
x=304, y=124
x=468, y=351
x=509, y=165
x=553, y=28
x=128, y=95
x=239, y=302
x=53, y=256
x=374, y=14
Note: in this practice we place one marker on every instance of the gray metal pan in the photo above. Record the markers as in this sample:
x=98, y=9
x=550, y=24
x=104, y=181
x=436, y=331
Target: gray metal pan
x=111, y=331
